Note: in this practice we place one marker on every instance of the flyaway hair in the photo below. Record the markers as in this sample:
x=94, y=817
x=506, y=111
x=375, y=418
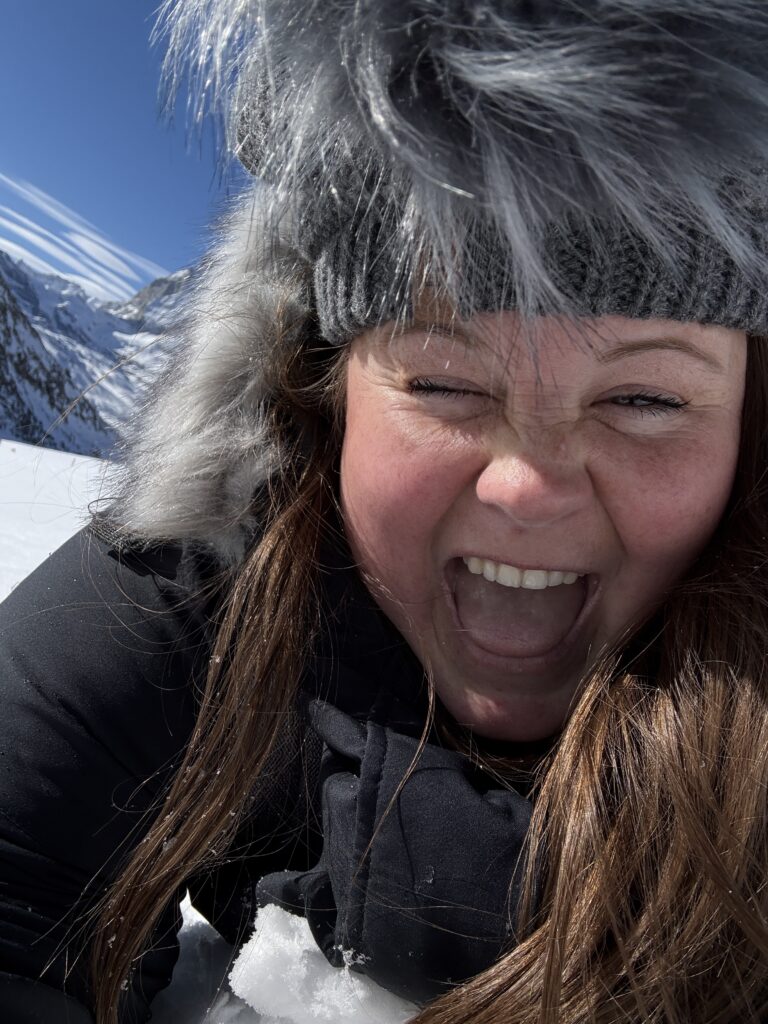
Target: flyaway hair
x=465, y=142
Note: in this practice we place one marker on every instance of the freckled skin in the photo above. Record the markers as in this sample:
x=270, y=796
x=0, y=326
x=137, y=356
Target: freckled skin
x=549, y=466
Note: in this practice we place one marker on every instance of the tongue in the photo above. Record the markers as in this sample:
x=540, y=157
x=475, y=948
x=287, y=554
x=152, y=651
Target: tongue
x=512, y=621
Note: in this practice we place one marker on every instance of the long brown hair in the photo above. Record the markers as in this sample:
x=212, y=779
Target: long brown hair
x=650, y=832
x=266, y=620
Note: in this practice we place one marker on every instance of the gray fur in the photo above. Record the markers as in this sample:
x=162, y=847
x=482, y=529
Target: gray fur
x=433, y=115
x=196, y=450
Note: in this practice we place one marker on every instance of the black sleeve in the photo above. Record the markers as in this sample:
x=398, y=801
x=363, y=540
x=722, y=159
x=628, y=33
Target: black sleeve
x=99, y=655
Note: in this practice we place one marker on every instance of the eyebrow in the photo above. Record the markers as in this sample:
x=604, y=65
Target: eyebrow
x=631, y=348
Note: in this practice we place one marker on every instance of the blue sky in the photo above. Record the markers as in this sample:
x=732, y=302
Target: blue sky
x=89, y=171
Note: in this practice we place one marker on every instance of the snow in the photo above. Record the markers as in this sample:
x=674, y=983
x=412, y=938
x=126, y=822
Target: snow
x=44, y=496
x=199, y=991
x=280, y=976
x=282, y=948
x=105, y=352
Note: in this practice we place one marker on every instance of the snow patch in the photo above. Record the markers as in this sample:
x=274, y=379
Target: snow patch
x=282, y=974
x=279, y=977
x=44, y=497
x=199, y=993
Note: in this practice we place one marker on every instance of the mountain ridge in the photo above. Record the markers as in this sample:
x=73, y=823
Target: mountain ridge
x=70, y=364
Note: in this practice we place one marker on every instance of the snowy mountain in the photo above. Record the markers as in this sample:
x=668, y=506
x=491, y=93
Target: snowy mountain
x=155, y=306
x=70, y=364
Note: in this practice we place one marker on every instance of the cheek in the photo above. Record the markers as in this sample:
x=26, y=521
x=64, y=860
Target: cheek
x=382, y=478
x=669, y=503
x=397, y=484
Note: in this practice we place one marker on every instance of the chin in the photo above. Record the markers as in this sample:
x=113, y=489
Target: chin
x=512, y=721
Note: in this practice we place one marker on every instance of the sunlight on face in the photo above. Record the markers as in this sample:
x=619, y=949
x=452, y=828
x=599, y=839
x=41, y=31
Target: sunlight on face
x=513, y=515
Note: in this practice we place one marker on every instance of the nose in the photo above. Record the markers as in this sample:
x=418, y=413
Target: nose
x=536, y=483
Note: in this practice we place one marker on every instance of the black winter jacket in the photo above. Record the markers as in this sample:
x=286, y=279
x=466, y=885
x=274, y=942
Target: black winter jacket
x=100, y=654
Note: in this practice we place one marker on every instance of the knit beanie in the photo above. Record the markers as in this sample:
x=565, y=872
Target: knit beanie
x=584, y=157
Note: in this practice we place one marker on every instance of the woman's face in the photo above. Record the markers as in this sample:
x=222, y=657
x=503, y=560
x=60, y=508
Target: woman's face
x=513, y=514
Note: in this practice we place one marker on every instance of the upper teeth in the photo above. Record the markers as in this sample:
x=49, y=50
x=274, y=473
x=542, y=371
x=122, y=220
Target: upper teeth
x=510, y=576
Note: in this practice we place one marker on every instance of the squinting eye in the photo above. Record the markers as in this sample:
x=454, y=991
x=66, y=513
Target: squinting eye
x=426, y=386
x=648, y=404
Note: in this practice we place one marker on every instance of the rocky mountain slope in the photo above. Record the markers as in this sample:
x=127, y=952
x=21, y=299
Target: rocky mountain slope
x=70, y=366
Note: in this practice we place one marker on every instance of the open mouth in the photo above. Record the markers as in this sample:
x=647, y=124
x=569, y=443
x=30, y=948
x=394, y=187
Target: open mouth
x=520, y=614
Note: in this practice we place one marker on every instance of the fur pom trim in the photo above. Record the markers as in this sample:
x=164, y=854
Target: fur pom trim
x=645, y=115
x=196, y=451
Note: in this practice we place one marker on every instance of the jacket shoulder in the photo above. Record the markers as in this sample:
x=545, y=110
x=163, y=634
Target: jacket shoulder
x=100, y=651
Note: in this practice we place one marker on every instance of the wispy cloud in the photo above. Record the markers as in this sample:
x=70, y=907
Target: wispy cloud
x=20, y=253
x=70, y=261
x=68, y=244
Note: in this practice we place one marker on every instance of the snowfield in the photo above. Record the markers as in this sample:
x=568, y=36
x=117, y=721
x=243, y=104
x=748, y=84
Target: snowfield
x=280, y=976
x=44, y=496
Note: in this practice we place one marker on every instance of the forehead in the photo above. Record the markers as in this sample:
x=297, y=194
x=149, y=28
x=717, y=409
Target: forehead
x=505, y=340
